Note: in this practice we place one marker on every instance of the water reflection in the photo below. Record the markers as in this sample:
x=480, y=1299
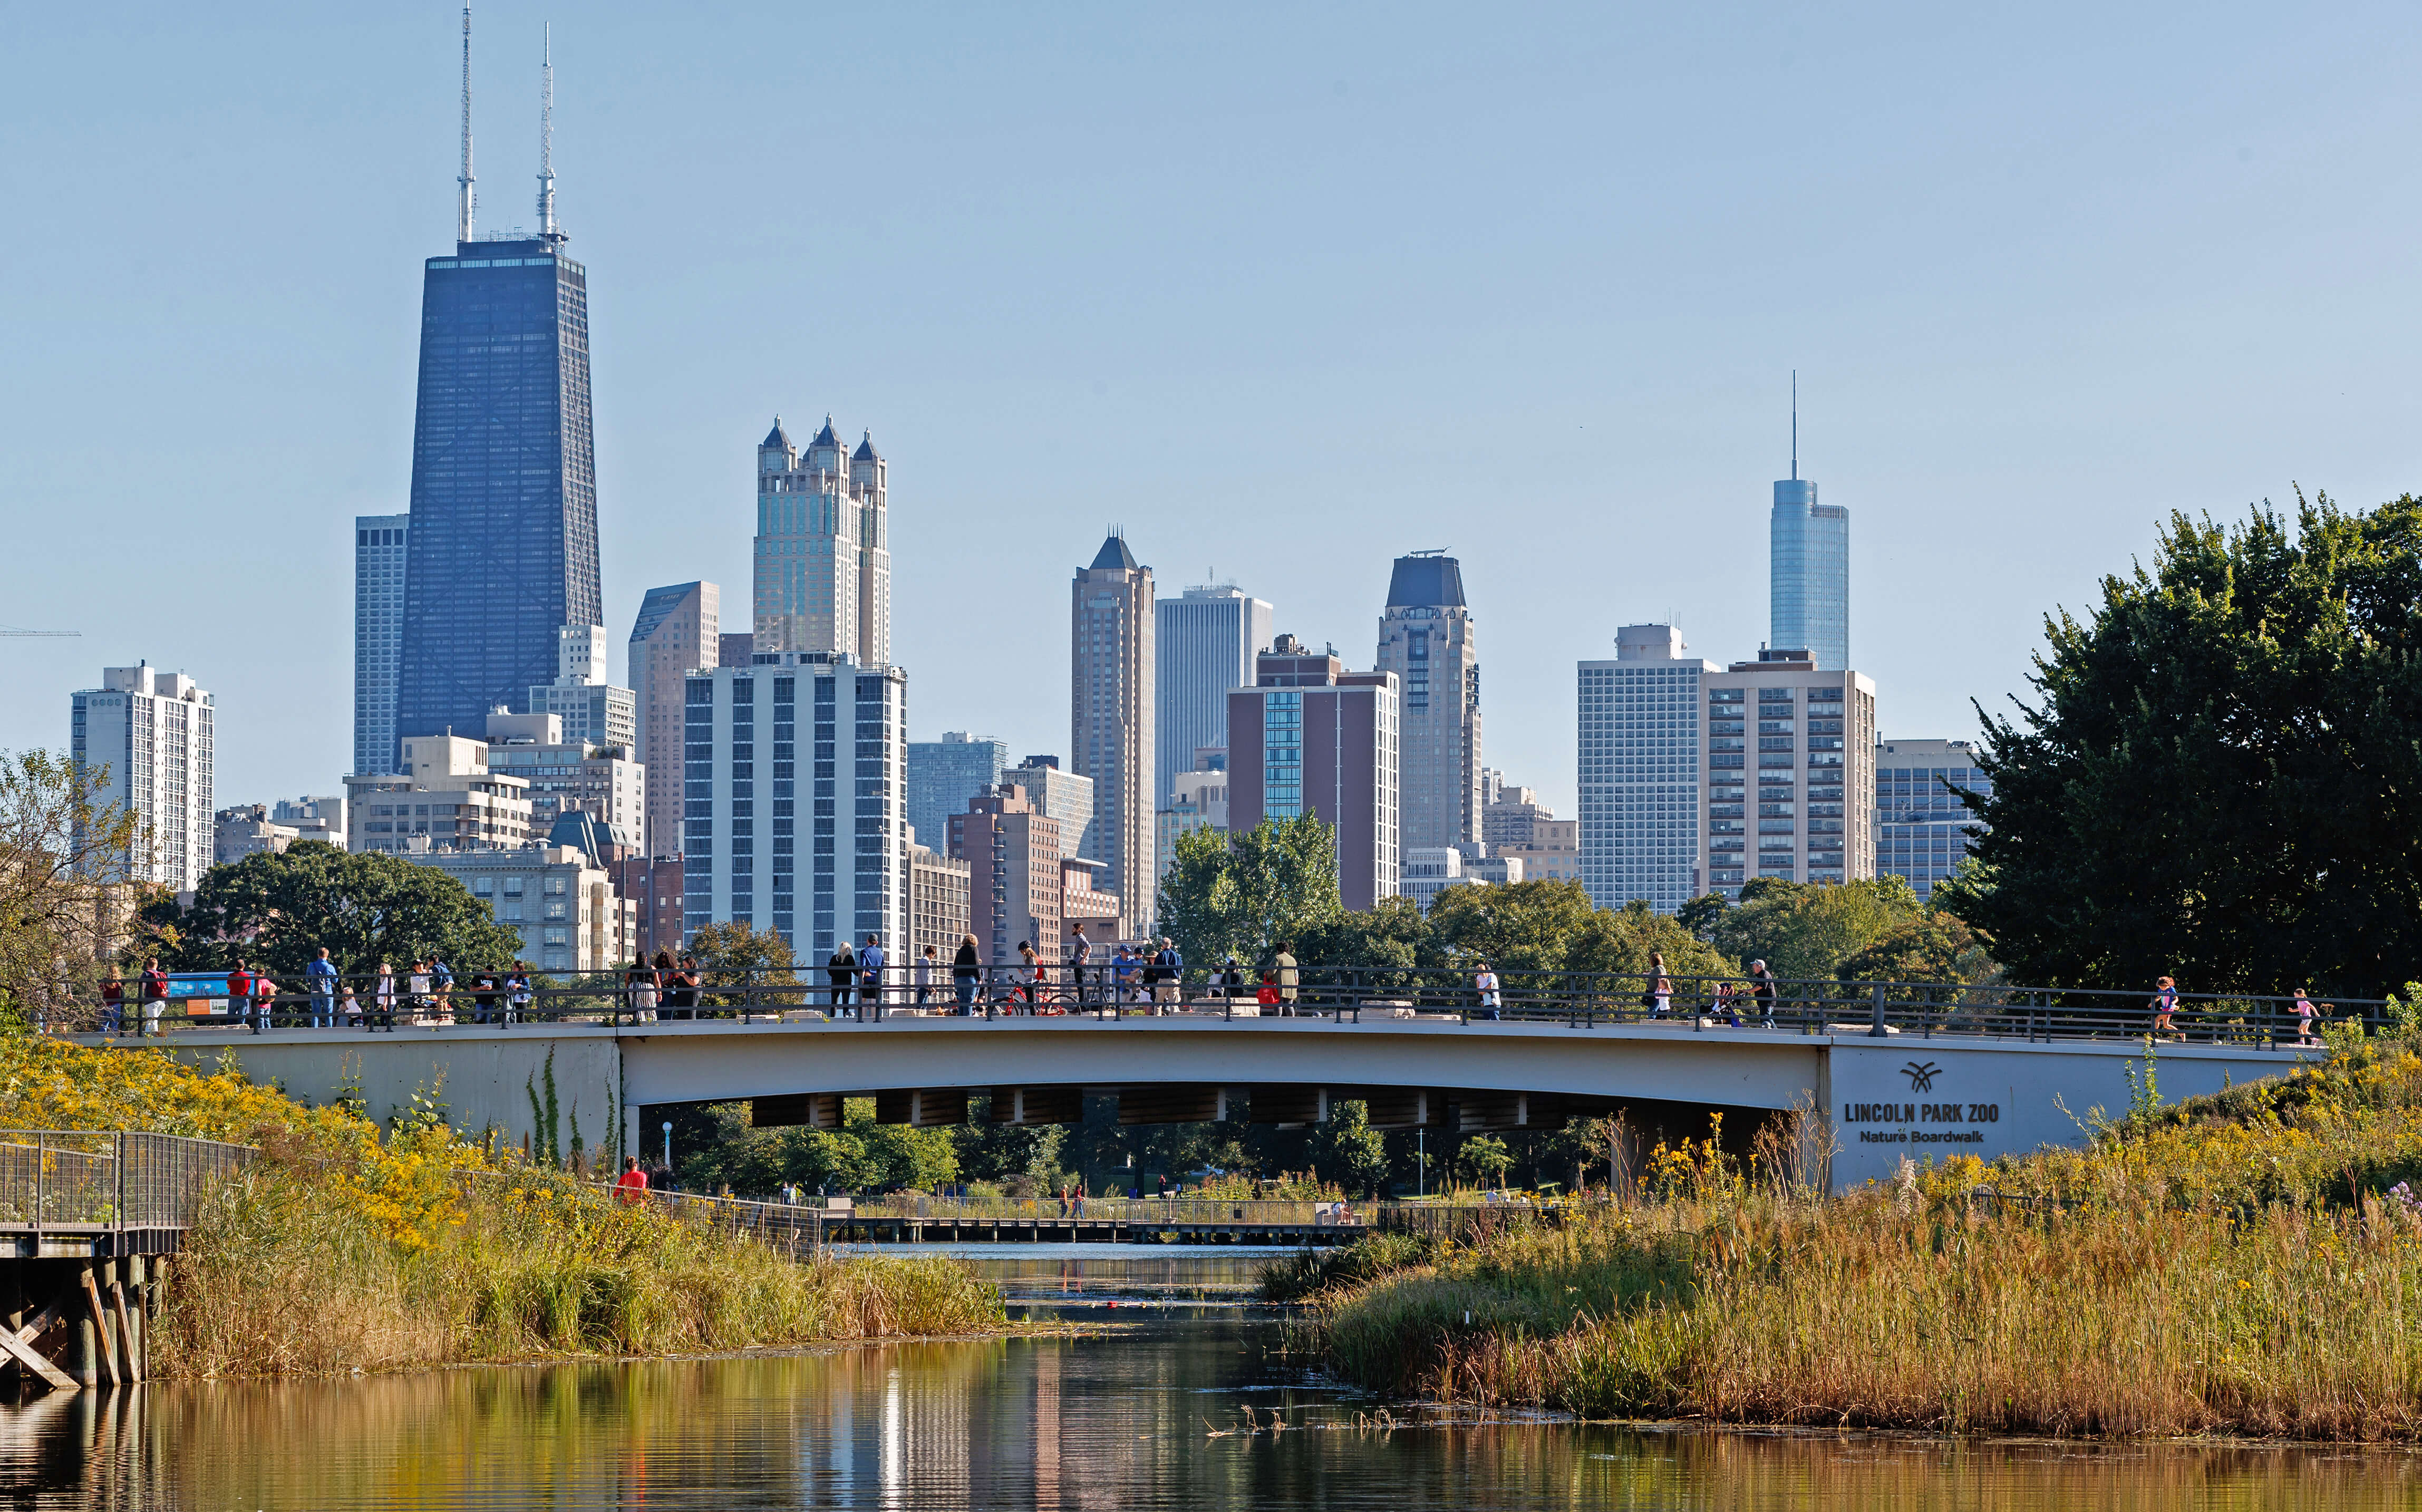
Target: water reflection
x=1123, y=1420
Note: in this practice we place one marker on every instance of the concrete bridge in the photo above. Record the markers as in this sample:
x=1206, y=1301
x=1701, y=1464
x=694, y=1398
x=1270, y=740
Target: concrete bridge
x=1904, y=1093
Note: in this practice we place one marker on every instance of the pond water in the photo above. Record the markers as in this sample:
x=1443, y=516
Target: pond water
x=1165, y=1400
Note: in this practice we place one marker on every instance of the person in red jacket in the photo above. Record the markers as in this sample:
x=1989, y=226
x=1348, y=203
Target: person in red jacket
x=155, y=995
x=632, y=1186
x=239, y=998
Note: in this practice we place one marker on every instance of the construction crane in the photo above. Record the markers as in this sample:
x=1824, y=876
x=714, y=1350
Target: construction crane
x=6, y=631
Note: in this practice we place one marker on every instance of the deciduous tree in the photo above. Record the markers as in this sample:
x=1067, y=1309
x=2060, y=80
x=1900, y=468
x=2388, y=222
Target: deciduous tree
x=278, y=910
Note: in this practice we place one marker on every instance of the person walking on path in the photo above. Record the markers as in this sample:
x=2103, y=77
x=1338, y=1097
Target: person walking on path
x=155, y=995
x=966, y=975
x=1491, y=1000
x=870, y=974
x=1168, y=984
x=485, y=1007
x=1290, y=978
x=2164, y=1004
x=644, y=987
x=1761, y=991
x=1661, y=986
x=320, y=976
x=113, y=1005
x=1032, y=976
x=631, y=1187
x=2305, y=1013
x=840, y=972
x=382, y=1000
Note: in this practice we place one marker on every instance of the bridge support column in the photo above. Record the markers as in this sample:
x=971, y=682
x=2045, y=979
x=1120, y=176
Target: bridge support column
x=87, y=1345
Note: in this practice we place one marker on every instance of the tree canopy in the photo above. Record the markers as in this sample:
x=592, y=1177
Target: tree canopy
x=1244, y=893
x=2220, y=778
x=277, y=911
x=63, y=889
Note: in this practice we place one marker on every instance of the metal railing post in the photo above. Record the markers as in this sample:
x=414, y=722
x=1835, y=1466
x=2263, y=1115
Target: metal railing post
x=1879, y=1029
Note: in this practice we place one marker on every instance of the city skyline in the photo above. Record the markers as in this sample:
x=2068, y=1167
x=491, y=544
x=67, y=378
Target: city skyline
x=975, y=326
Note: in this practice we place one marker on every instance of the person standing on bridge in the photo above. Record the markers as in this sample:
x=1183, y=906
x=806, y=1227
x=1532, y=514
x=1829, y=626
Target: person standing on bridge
x=1491, y=1000
x=966, y=975
x=239, y=989
x=113, y=1004
x=644, y=987
x=926, y=971
x=1761, y=992
x=155, y=995
x=322, y=978
x=382, y=1000
x=1168, y=981
x=1081, y=955
x=1661, y=986
x=2165, y=1003
x=870, y=975
x=1290, y=978
x=841, y=971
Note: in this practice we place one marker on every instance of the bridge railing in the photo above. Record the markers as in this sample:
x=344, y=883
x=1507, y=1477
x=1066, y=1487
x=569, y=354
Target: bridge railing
x=69, y=1178
x=1461, y=994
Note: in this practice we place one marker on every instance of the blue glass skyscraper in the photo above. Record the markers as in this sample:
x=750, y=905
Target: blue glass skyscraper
x=504, y=488
x=1809, y=569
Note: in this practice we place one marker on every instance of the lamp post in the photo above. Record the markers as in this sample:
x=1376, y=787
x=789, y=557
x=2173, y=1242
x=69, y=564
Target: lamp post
x=668, y=1150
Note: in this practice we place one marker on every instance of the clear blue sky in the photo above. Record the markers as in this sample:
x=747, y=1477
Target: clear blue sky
x=1284, y=290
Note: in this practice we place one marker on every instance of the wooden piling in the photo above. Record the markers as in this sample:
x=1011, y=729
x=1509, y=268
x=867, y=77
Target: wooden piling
x=130, y=1347
x=100, y=1344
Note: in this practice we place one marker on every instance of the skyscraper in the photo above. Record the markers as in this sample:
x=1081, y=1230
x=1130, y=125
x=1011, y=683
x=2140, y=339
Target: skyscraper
x=1639, y=755
x=154, y=733
x=1816, y=752
x=674, y=635
x=379, y=546
x=504, y=486
x=824, y=548
x=1206, y=641
x=942, y=776
x=1112, y=710
x=743, y=834
x=1810, y=568
x=1922, y=831
x=1311, y=737
x=1426, y=638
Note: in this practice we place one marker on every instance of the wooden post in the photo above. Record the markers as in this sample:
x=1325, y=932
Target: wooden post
x=130, y=1344
x=136, y=1271
x=88, y=1343
x=101, y=1345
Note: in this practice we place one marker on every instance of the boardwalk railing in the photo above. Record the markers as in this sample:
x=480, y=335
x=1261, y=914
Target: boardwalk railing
x=64, y=1178
x=1579, y=1000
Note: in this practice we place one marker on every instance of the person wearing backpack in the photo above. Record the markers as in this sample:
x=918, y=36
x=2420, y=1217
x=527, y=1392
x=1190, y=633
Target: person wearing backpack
x=1169, y=979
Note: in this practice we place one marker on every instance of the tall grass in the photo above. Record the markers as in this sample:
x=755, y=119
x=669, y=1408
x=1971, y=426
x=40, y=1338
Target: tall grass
x=277, y=1278
x=2230, y=1266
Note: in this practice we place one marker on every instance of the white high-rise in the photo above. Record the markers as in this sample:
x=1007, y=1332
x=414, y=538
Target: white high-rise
x=1639, y=771
x=152, y=732
x=1205, y=646
x=378, y=636
x=824, y=548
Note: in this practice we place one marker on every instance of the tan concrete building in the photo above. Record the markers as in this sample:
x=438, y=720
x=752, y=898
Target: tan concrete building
x=937, y=901
x=1790, y=768
x=567, y=775
x=563, y=906
x=444, y=796
x=1112, y=716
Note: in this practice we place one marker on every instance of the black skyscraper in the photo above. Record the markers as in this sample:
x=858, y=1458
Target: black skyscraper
x=503, y=496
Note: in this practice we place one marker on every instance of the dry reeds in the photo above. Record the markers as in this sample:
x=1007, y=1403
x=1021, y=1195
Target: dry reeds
x=2209, y=1271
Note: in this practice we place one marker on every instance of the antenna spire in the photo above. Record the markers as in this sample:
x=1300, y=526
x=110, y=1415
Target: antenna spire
x=547, y=139
x=462, y=209
x=1795, y=425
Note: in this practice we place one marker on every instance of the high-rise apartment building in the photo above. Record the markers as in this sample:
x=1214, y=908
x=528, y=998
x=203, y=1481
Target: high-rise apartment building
x=1922, y=830
x=1639, y=771
x=937, y=907
x=557, y=898
x=1311, y=737
x=569, y=776
x=1517, y=828
x=1205, y=642
x=766, y=822
x=944, y=774
x=1809, y=816
x=1066, y=797
x=734, y=647
x=1113, y=710
x=153, y=732
x=824, y=548
x=504, y=486
x=1012, y=853
x=380, y=542
x=1810, y=570
x=674, y=635
x=1426, y=639
x=593, y=712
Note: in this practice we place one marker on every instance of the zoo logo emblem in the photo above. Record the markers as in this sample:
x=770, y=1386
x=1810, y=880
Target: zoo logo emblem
x=1920, y=1075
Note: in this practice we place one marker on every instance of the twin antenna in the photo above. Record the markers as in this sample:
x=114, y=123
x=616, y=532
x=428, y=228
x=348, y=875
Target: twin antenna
x=545, y=140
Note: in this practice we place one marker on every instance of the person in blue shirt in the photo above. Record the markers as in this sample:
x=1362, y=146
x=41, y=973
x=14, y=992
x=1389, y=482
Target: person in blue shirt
x=870, y=975
x=322, y=973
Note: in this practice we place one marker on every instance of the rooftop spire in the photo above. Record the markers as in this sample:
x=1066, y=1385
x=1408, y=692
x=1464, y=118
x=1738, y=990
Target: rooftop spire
x=546, y=137
x=1795, y=425
x=462, y=209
